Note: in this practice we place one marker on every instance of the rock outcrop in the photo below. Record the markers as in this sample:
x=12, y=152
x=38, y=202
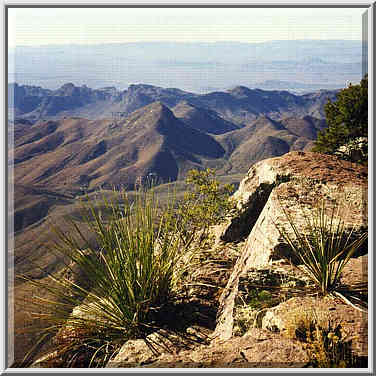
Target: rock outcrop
x=256, y=348
x=249, y=251
x=295, y=183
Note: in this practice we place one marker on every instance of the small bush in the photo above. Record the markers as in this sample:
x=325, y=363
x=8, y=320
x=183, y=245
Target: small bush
x=205, y=203
x=326, y=348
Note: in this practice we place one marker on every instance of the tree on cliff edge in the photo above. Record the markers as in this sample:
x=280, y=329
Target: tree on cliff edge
x=347, y=120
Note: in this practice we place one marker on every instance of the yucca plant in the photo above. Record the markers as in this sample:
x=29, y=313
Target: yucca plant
x=126, y=276
x=323, y=245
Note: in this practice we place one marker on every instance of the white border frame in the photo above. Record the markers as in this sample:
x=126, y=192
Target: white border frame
x=268, y=3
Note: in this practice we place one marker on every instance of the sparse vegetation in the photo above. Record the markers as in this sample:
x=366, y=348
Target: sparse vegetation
x=260, y=290
x=300, y=321
x=247, y=314
x=120, y=286
x=323, y=246
x=113, y=289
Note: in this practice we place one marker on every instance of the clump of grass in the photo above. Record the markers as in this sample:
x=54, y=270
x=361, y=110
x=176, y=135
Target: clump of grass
x=326, y=345
x=327, y=349
x=130, y=272
x=300, y=321
x=323, y=246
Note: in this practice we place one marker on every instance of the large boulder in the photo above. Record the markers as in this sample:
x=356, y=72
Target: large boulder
x=295, y=183
x=303, y=169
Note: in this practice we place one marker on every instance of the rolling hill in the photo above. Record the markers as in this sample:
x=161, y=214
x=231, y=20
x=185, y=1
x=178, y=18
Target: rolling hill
x=56, y=160
x=266, y=137
x=202, y=119
x=169, y=132
x=74, y=154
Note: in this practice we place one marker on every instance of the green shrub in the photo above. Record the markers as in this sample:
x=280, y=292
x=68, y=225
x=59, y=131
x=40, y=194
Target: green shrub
x=347, y=120
x=205, y=203
x=130, y=274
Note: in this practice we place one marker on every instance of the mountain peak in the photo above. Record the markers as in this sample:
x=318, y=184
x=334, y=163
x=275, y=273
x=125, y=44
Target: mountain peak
x=157, y=105
x=159, y=108
x=185, y=103
x=202, y=119
x=240, y=91
x=68, y=85
x=68, y=89
x=155, y=114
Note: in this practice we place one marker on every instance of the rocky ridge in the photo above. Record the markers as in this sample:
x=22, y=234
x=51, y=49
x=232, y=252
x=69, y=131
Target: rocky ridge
x=297, y=181
x=240, y=104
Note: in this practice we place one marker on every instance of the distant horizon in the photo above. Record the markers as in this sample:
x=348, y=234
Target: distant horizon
x=192, y=66
x=185, y=42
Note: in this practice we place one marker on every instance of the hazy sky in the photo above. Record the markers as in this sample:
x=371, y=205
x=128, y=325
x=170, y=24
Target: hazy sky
x=76, y=26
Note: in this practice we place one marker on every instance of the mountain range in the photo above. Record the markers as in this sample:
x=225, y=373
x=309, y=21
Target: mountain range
x=76, y=139
x=238, y=105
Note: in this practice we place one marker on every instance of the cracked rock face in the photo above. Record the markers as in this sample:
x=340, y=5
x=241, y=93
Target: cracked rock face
x=297, y=183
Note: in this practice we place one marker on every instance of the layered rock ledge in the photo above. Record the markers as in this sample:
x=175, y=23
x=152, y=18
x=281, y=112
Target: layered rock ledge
x=294, y=183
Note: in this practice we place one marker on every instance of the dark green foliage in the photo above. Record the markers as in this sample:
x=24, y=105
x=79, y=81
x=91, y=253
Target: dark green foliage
x=347, y=120
x=260, y=298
